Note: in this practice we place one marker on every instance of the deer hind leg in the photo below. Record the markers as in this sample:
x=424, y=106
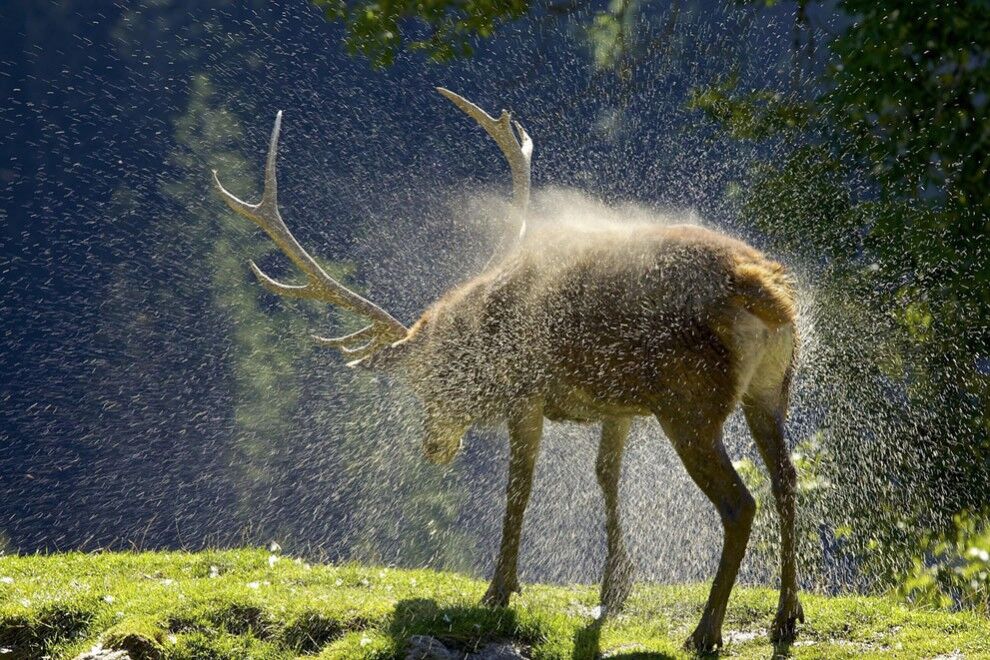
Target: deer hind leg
x=617, y=576
x=700, y=448
x=765, y=408
x=525, y=429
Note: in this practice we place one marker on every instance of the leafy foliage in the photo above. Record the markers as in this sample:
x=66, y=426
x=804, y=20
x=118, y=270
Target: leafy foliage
x=910, y=85
x=757, y=115
x=952, y=569
x=442, y=29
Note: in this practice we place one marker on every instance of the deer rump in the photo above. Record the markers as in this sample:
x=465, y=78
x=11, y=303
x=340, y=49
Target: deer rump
x=622, y=320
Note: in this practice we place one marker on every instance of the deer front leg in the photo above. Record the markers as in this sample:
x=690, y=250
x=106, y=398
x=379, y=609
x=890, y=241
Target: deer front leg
x=525, y=429
x=617, y=576
x=700, y=449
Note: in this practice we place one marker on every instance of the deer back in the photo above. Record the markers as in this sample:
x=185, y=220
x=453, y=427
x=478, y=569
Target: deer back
x=625, y=315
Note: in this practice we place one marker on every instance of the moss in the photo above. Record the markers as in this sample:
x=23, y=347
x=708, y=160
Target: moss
x=244, y=603
x=141, y=637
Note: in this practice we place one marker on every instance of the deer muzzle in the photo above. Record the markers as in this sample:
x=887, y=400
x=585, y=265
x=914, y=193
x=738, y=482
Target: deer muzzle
x=443, y=438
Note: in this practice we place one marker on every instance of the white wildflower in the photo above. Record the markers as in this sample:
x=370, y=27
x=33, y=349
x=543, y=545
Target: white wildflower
x=978, y=553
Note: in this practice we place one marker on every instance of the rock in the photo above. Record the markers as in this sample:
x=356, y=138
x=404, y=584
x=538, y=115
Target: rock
x=499, y=651
x=100, y=653
x=424, y=647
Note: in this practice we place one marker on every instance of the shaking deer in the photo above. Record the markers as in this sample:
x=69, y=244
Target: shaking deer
x=593, y=326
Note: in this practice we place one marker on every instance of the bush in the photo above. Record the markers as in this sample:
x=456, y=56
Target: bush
x=952, y=570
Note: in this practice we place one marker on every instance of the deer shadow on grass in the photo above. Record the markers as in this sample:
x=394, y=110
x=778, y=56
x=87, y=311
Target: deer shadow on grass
x=782, y=649
x=463, y=629
x=467, y=629
x=587, y=646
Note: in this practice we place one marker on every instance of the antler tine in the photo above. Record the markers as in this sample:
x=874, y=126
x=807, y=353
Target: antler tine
x=356, y=346
x=342, y=342
x=515, y=144
x=320, y=285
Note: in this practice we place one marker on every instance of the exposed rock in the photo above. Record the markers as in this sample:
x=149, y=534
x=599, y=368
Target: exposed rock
x=499, y=651
x=740, y=636
x=100, y=653
x=424, y=647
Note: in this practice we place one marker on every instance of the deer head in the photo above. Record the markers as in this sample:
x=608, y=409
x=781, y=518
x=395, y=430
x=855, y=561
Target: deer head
x=385, y=344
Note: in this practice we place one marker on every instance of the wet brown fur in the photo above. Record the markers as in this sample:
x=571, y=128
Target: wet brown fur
x=679, y=322
x=616, y=321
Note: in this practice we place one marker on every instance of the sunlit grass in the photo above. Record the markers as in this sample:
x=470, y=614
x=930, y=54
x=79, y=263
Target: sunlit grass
x=252, y=604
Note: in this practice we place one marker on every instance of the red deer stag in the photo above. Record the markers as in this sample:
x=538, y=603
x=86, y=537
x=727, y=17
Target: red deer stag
x=678, y=322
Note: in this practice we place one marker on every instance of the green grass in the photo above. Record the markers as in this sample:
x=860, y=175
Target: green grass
x=250, y=604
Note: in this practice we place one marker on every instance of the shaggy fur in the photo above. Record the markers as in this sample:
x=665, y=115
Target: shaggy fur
x=679, y=322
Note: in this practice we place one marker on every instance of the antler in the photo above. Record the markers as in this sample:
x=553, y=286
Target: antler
x=515, y=144
x=384, y=328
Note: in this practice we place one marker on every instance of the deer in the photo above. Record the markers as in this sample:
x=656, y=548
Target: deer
x=676, y=322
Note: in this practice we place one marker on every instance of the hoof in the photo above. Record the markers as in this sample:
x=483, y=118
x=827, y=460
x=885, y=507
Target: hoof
x=785, y=623
x=703, y=641
x=498, y=594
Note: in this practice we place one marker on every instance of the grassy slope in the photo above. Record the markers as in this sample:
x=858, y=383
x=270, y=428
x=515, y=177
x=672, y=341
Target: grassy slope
x=244, y=603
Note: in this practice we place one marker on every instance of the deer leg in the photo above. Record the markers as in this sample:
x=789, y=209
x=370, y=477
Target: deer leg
x=766, y=423
x=525, y=429
x=704, y=457
x=617, y=576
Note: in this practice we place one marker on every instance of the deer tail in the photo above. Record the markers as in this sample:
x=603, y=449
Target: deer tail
x=765, y=289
